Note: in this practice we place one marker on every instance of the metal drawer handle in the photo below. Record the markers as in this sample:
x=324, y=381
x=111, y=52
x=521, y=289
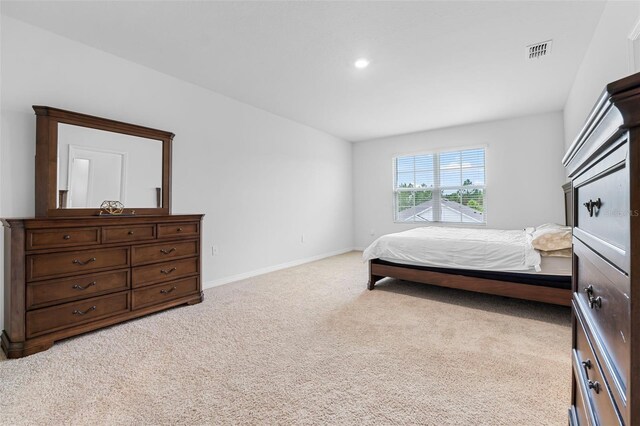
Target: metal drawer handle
x=77, y=312
x=79, y=287
x=179, y=229
x=587, y=366
x=593, y=385
x=164, y=251
x=67, y=237
x=130, y=232
x=80, y=262
x=594, y=302
x=167, y=291
x=592, y=205
x=165, y=271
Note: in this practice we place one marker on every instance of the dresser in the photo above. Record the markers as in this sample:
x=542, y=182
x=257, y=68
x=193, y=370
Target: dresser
x=67, y=276
x=603, y=164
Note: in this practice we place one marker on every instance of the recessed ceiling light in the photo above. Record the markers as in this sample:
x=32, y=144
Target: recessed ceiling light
x=361, y=63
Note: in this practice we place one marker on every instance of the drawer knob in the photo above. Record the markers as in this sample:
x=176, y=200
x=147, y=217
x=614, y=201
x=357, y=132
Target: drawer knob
x=79, y=287
x=592, y=205
x=130, y=232
x=179, y=230
x=78, y=312
x=168, y=271
x=80, y=262
x=593, y=385
x=165, y=251
x=67, y=237
x=167, y=291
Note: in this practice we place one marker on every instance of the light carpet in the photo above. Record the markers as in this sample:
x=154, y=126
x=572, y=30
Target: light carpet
x=308, y=345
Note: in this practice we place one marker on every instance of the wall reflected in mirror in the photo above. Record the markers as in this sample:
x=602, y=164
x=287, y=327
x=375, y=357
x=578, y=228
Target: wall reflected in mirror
x=97, y=165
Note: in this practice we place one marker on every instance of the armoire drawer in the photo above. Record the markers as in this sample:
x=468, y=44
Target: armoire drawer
x=159, y=293
x=178, y=229
x=118, y=234
x=164, y=251
x=591, y=383
x=165, y=271
x=602, y=292
x=55, y=238
x=50, y=265
x=603, y=209
x=50, y=292
x=47, y=320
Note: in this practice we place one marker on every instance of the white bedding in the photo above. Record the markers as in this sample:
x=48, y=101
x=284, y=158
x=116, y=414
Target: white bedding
x=459, y=248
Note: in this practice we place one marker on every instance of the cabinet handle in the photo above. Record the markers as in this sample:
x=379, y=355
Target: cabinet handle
x=164, y=251
x=593, y=385
x=80, y=262
x=179, y=229
x=594, y=302
x=77, y=312
x=167, y=291
x=130, y=232
x=592, y=205
x=79, y=287
x=67, y=237
x=168, y=271
x=587, y=366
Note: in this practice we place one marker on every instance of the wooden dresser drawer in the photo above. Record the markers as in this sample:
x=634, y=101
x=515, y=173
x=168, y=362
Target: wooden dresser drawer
x=166, y=230
x=53, y=238
x=165, y=271
x=164, y=251
x=50, y=292
x=50, y=265
x=591, y=383
x=602, y=293
x=57, y=317
x=164, y=292
x=118, y=234
x=602, y=219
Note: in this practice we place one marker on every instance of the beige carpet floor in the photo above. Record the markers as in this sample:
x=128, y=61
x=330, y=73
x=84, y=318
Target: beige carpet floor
x=308, y=345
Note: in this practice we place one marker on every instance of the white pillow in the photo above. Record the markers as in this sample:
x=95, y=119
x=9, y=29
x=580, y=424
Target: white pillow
x=551, y=236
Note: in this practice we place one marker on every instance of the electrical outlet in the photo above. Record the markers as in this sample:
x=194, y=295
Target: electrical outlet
x=215, y=250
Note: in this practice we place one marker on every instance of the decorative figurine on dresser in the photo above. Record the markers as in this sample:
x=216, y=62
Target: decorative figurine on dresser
x=603, y=164
x=76, y=267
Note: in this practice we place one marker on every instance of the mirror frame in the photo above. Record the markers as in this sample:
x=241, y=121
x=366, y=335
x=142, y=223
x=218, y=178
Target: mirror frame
x=46, y=167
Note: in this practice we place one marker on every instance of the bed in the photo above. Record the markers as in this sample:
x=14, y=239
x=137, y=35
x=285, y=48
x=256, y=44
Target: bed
x=489, y=261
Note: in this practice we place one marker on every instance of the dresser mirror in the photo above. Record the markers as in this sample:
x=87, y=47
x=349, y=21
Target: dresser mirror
x=82, y=161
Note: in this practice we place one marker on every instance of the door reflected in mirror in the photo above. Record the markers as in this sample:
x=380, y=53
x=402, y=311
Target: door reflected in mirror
x=97, y=165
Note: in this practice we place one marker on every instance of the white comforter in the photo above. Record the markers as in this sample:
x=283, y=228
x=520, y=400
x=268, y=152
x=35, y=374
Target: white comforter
x=460, y=248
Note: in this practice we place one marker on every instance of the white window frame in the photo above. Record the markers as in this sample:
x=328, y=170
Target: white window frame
x=436, y=189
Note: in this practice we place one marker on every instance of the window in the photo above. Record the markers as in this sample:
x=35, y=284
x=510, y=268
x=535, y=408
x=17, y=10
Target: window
x=441, y=187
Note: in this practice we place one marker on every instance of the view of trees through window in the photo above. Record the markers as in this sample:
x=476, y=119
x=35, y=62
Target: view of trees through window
x=441, y=187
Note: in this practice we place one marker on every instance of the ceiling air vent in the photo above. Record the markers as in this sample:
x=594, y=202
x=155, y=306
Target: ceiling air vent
x=539, y=50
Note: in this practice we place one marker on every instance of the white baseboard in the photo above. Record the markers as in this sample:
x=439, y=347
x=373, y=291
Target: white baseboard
x=261, y=271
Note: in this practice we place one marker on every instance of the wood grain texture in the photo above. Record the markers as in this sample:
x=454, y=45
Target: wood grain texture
x=44, y=286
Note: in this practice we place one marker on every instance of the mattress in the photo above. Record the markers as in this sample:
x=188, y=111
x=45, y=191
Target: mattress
x=459, y=248
x=549, y=266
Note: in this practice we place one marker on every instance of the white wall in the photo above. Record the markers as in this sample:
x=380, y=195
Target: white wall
x=607, y=59
x=524, y=173
x=261, y=180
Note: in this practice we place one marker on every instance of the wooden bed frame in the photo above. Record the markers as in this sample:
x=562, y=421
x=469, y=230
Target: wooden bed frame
x=540, y=293
x=502, y=287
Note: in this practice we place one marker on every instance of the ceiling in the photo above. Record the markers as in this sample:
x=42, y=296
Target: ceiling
x=433, y=64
